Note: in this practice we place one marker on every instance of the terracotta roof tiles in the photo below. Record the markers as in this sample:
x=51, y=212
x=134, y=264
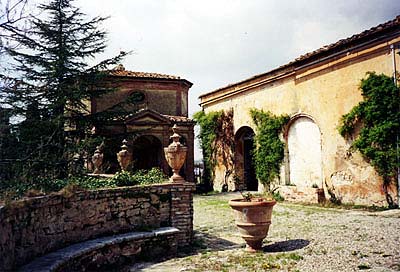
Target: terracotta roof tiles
x=179, y=119
x=120, y=71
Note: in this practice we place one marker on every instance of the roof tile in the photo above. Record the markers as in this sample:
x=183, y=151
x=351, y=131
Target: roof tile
x=119, y=70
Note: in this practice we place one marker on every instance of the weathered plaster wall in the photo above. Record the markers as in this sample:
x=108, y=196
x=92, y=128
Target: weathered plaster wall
x=163, y=101
x=184, y=103
x=324, y=91
x=35, y=226
x=164, y=97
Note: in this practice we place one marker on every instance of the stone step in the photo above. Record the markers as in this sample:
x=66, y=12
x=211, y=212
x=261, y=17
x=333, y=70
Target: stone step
x=89, y=252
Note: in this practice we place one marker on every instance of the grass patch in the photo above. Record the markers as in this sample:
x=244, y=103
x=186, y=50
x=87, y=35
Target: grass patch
x=243, y=261
x=281, y=213
x=212, y=203
x=309, y=209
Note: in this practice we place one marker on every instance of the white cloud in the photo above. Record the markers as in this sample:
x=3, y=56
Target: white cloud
x=216, y=42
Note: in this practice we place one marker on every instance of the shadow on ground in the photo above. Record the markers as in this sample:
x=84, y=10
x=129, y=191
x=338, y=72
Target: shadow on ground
x=285, y=246
x=202, y=242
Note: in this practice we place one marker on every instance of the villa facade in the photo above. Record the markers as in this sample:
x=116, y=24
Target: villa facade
x=315, y=90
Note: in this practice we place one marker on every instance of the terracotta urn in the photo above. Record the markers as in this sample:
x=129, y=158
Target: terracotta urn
x=124, y=156
x=253, y=219
x=175, y=154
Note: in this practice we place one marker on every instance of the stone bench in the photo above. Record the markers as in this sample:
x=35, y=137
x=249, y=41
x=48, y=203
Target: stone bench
x=109, y=251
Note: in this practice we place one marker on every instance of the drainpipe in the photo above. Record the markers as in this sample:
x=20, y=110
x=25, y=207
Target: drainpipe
x=393, y=51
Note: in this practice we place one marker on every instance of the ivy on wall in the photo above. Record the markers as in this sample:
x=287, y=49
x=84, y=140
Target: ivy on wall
x=207, y=135
x=379, y=117
x=269, y=149
x=217, y=142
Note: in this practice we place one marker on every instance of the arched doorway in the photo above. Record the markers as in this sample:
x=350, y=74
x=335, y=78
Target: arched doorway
x=304, y=146
x=147, y=152
x=244, y=167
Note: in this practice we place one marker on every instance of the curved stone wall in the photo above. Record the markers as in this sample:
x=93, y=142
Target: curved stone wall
x=35, y=226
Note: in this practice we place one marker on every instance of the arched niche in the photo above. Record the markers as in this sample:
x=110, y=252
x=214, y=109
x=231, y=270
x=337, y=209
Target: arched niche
x=304, y=152
x=147, y=152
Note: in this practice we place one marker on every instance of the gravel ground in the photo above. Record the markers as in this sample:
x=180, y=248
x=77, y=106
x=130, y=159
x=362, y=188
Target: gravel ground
x=301, y=238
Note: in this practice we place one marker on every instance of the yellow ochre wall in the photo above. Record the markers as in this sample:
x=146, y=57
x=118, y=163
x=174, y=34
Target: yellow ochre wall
x=324, y=91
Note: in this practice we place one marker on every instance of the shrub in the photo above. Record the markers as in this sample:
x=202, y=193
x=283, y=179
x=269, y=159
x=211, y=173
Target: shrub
x=269, y=149
x=12, y=190
x=378, y=116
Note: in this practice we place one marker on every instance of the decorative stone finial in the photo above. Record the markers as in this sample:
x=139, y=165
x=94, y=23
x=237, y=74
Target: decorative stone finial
x=119, y=67
x=97, y=160
x=124, y=156
x=175, y=137
x=175, y=154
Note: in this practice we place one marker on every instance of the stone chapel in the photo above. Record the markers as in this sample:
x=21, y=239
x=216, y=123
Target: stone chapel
x=160, y=101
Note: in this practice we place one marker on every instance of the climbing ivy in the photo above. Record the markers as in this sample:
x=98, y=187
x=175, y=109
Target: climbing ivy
x=207, y=136
x=378, y=116
x=269, y=149
x=217, y=141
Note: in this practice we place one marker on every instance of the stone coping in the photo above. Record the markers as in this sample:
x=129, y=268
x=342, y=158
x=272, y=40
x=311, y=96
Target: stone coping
x=54, y=260
x=57, y=197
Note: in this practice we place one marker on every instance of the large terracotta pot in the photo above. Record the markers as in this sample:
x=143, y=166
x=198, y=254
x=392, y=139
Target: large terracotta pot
x=253, y=219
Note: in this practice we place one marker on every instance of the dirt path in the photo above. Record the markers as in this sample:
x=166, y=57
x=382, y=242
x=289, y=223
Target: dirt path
x=301, y=238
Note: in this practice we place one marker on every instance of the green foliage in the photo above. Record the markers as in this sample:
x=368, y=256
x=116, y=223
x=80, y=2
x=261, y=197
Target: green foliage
x=91, y=182
x=277, y=196
x=207, y=135
x=48, y=85
x=269, y=195
x=378, y=116
x=141, y=177
x=152, y=176
x=247, y=196
x=123, y=178
x=217, y=142
x=269, y=149
x=15, y=189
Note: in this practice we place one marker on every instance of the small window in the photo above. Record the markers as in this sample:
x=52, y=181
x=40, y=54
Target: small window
x=136, y=97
